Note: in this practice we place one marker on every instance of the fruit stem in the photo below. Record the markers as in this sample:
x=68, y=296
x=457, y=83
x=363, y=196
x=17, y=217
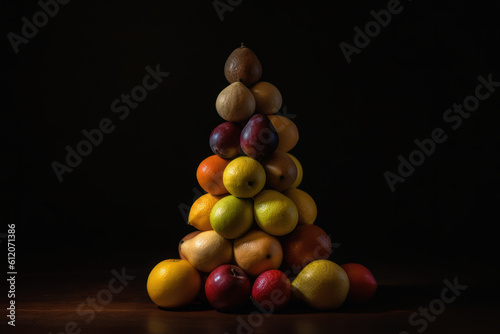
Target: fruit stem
x=234, y=272
x=242, y=45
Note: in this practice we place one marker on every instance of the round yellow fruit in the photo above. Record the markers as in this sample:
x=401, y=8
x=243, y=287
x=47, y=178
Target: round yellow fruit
x=306, y=206
x=275, y=213
x=322, y=284
x=173, y=283
x=244, y=177
x=231, y=217
x=300, y=171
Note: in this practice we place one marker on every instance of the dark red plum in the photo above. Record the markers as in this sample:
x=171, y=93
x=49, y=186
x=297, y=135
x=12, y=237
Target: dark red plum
x=259, y=137
x=225, y=140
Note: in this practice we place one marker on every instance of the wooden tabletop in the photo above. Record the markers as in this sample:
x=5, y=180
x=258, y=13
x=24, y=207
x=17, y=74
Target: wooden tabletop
x=100, y=302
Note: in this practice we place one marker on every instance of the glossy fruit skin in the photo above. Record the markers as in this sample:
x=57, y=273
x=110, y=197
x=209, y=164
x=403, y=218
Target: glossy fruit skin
x=228, y=288
x=173, y=283
x=259, y=137
x=362, y=283
x=272, y=290
x=225, y=140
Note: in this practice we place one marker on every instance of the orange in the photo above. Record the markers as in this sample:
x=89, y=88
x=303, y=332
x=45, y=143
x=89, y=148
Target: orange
x=256, y=252
x=199, y=214
x=209, y=175
x=288, y=133
x=305, y=244
x=173, y=283
x=305, y=205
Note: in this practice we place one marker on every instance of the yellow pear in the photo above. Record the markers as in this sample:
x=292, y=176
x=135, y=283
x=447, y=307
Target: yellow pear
x=322, y=284
x=207, y=250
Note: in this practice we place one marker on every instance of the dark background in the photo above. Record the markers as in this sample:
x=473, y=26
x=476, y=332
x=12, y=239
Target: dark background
x=121, y=205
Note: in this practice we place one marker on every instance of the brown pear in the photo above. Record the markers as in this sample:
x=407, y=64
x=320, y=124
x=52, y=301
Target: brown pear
x=281, y=171
x=242, y=64
x=235, y=103
x=268, y=98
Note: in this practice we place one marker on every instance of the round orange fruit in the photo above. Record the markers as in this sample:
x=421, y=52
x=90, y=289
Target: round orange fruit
x=209, y=175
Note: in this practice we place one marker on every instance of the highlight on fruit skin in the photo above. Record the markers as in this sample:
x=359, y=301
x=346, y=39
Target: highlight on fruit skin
x=362, y=283
x=322, y=285
x=242, y=64
x=173, y=283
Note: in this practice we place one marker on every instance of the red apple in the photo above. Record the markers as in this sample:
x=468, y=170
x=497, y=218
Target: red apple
x=187, y=237
x=362, y=283
x=228, y=288
x=272, y=290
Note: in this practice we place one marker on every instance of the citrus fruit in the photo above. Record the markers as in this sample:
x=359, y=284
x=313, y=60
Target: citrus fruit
x=288, y=133
x=199, y=214
x=305, y=205
x=256, y=252
x=322, y=284
x=275, y=213
x=209, y=174
x=300, y=171
x=305, y=244
x=244, y=177
x=231, y=217
x=173, y=283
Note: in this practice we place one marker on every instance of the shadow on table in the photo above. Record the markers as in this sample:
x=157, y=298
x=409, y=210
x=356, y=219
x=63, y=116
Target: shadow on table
x=387, y=298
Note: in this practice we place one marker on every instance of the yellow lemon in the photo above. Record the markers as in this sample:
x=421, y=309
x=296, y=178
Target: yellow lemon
x=244, y=177
x=275, y=213
x=305, y=205
x=300, y=171
x=173, y=283
x=231, y=217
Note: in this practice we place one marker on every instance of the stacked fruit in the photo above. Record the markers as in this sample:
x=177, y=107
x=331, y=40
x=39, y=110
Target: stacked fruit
x=255, y=239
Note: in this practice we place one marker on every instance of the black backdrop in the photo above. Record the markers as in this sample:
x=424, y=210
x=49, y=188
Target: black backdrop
x=120, y=206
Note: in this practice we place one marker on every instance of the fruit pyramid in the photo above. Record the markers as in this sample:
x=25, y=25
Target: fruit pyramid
x=255, y=239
